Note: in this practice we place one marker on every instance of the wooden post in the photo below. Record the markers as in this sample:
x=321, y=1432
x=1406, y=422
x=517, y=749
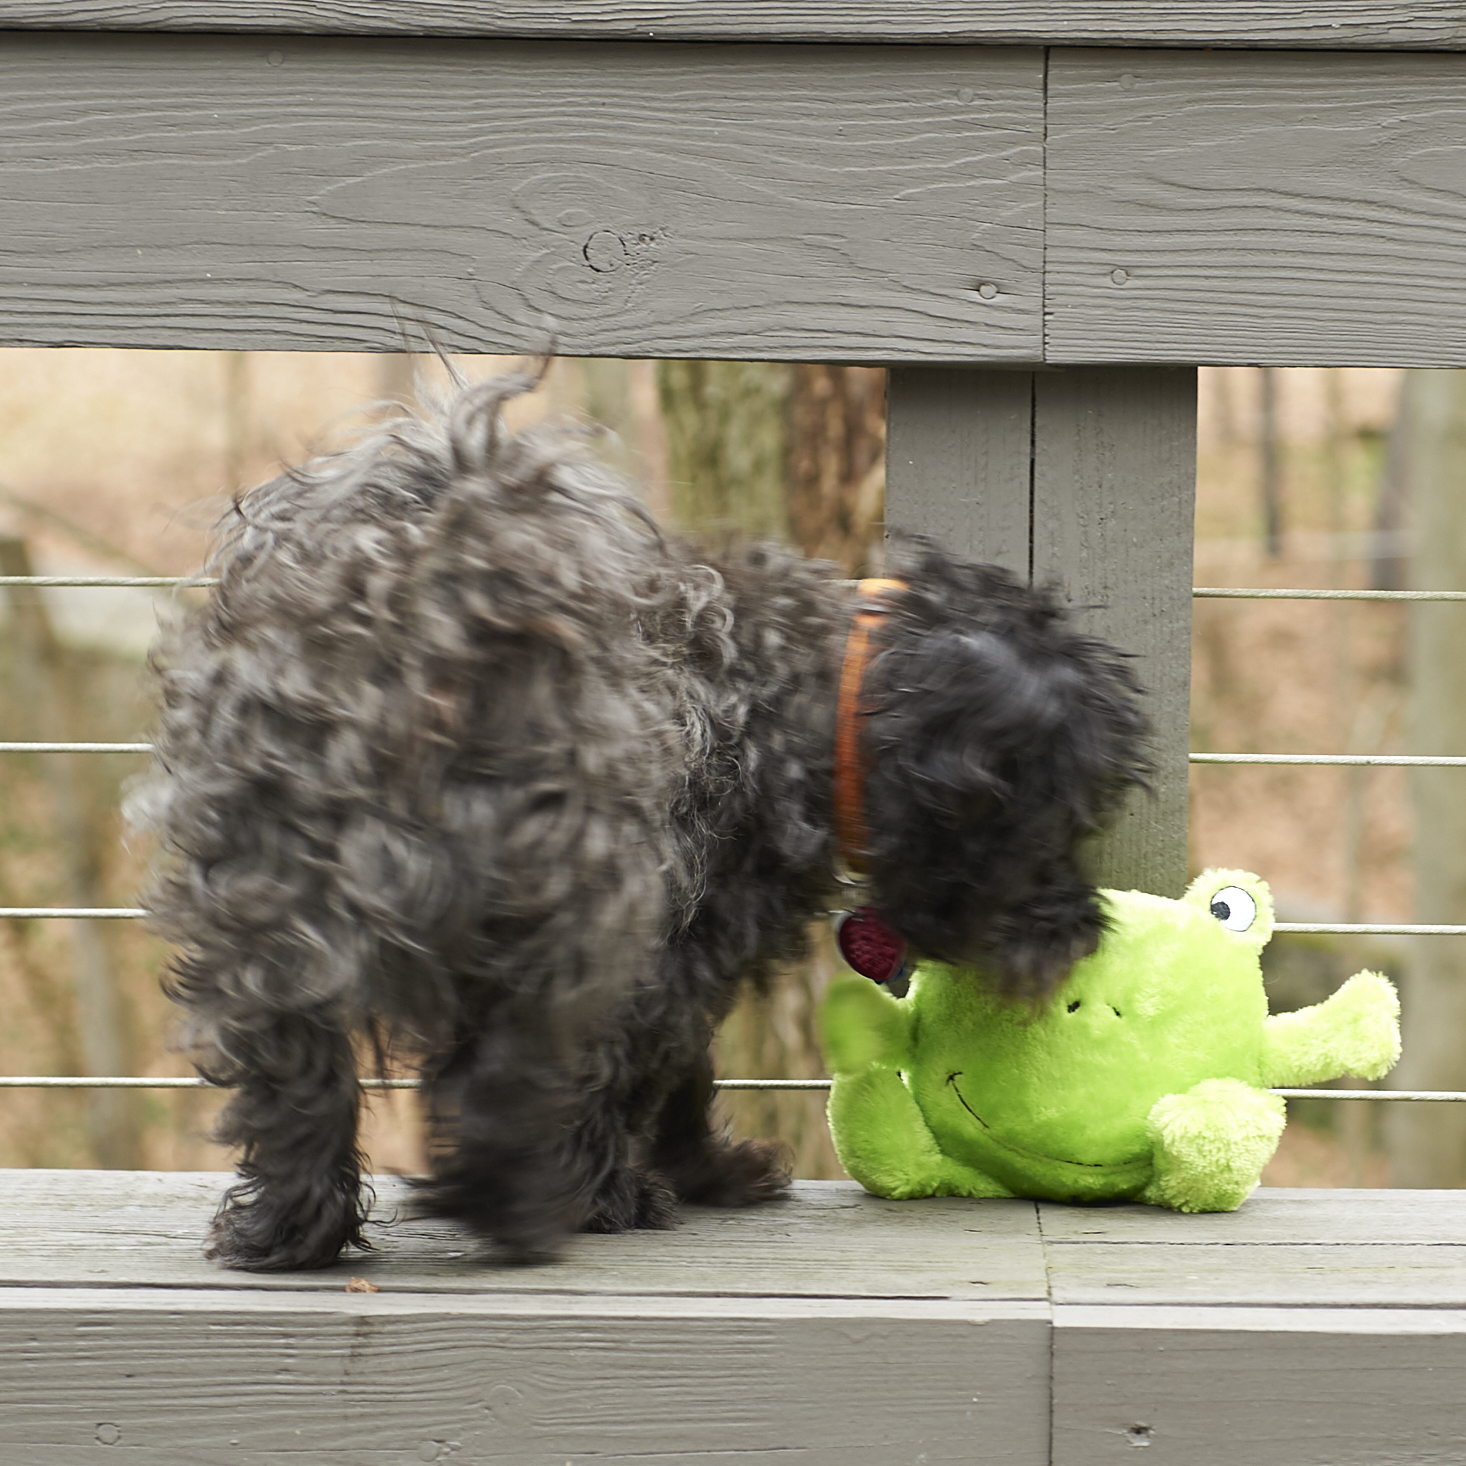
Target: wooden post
x=1084, y=479
x=1429, y=1148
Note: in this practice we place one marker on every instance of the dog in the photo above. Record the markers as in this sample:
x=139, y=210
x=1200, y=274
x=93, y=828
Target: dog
x=465, y=757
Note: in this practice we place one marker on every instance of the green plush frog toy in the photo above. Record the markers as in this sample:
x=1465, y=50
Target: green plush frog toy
x=1146, y=1077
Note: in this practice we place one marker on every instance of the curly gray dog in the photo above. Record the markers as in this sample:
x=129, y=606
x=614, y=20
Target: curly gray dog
x=464, y=757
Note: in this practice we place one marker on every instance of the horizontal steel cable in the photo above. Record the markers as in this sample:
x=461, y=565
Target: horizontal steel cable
x=105, y=581
x=1204, y=592
x=1340, y=928
x=1337, y=760
x=1334, y=760
x=1268, y=593
x=73, y=913
x=76, y=747
x=131, y=1081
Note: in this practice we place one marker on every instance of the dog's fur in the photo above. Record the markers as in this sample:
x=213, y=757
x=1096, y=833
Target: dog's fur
x=463, y=756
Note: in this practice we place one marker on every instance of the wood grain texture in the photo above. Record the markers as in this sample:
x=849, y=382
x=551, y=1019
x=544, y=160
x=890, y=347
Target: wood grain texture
x=1278, y=208
x=1268, y=1387
x=641, y=200
x=958, y=460
x=113, y=1229
x=1339, y=23
x=188, y=1379
x=1273, y=1214
x=1084, y=480
x=1301, y=1274
x=1114, y=482
x=747, y=1332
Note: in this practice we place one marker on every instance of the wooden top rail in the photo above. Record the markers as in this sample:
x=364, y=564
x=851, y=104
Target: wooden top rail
x=1339, y=25
x=832, y=1329
x=962, y=204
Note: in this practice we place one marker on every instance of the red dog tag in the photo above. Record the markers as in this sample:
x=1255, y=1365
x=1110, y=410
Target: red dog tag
x=869, y=945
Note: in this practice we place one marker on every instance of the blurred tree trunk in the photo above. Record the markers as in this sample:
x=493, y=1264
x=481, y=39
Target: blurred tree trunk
x=1428, y=1142
x=727, y=428
x=47, y=703
x=397, y=378
x=796, y=453
x=837, y=463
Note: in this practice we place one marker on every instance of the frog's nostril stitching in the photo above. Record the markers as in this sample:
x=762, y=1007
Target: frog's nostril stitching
x=1074, y=1006
x=1116, y=1011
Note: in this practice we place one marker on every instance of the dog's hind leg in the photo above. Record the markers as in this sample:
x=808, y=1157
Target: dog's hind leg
x=296, y=1098
x=697, y=1158
x=504, y=1115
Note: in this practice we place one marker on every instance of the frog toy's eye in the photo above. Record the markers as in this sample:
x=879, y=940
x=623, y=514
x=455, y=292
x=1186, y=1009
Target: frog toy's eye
x=1234, y=908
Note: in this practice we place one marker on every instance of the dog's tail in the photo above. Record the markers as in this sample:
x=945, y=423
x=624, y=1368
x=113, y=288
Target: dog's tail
x=415, y=752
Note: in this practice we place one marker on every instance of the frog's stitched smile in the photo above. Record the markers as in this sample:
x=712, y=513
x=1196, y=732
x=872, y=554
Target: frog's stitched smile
x=1018, y=1150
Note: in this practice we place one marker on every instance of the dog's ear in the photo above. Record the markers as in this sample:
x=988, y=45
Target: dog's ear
x=996, y=738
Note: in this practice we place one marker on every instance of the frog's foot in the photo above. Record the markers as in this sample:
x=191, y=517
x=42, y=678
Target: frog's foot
x=883, y=1141
x=1210, y=1144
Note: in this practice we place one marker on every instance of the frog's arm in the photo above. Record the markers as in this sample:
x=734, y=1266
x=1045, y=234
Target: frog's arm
x=1356, y=1031
x=879, y=1132
x=1210, y=1144
x=882, y=1140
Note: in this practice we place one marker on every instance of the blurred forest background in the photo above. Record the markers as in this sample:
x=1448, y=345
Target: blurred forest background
x=118, y=462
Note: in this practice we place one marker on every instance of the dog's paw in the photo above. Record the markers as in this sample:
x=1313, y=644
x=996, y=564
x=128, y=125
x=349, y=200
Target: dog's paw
x=739, y=1175
x=237, y=1240
x=632, y=1201
x=252, y=1235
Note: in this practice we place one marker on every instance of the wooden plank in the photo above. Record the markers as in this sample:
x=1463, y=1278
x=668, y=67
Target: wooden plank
x=959, y=446
x=775, y=202
x=119, y=1229
x=1267, y=1386
x=1114, y=480
x=1273, y=1214
x=1278, y=208
x=194, y=1379
x=1364, y=24
x=1303, y=1274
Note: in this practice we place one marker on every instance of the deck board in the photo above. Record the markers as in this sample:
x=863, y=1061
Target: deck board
x=1315, y=1328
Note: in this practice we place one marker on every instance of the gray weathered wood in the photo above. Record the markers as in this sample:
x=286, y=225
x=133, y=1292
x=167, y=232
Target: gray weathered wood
x=959, y=448
x=1280, y=208
x=831, y=1239
x=1114, y=486
x=1082, y=479
x=1265, y=1387
x=1300, y=1275
x=1365, y=24
x=1273, y=1214
x=834, y=1328
x=184, y=1378
x=640, y=200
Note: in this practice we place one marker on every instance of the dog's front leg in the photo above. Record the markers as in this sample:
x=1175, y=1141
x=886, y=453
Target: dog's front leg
x=696, y=1156
x=299, y=1199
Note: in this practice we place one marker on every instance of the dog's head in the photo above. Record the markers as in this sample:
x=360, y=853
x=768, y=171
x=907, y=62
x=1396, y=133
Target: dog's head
x=996, y=737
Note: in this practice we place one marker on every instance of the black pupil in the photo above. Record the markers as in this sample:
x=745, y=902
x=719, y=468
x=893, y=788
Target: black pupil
x=1221, y=910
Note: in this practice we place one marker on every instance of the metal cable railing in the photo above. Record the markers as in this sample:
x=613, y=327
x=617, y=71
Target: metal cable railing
x=44, y=582
x=1199, y=592
x=1385, y=760
x=133, y=1081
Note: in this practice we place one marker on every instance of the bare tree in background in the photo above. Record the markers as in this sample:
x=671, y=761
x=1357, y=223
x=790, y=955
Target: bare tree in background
x=1270, y=463
x=727, y=426
x=1428, y=1142
x=837, y=463
x=797, y=453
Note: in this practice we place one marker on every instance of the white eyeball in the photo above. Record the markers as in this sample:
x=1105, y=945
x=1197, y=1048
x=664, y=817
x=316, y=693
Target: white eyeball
x=1234, y=908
